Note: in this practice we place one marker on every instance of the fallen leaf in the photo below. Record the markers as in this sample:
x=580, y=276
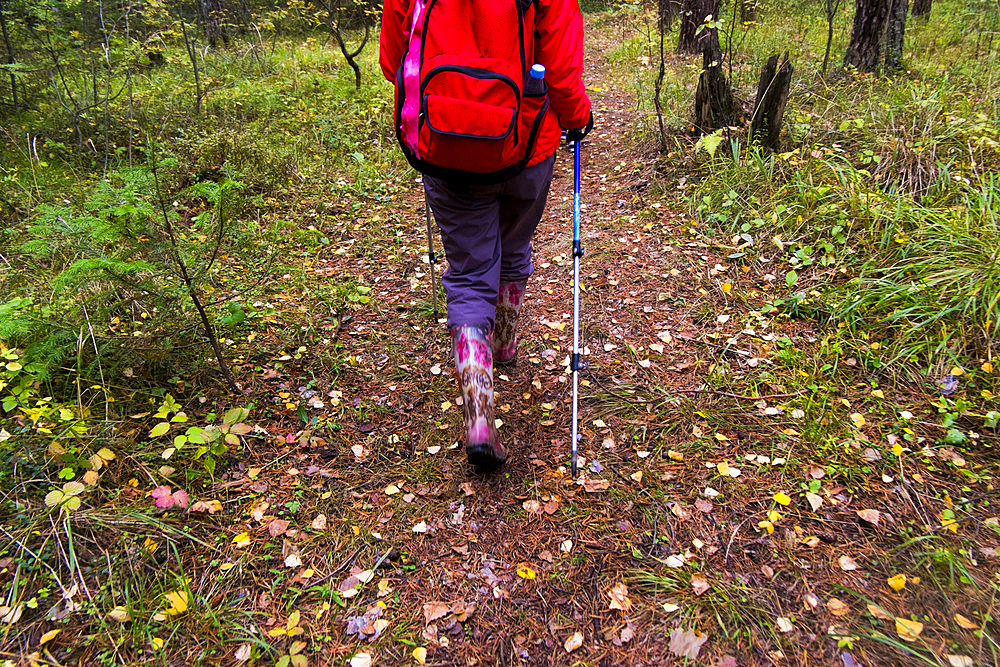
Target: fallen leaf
x=242, y=540
x=871, y=516
x=573, y=642
x=670, y=607
x=966, y=623
x=858, y=419
x=49, y=636
x=435, y=610
x=391, y=490
x=703, y=505
x=210, y=506
x=784, y=625
x=675, y=456
x=699, y=583
x=525, y=572
x=686, y=643
x=178, y=602
x=361, y=660
x=595, y=485
x=908, y=630
x=782, y=498
x=847, y=563
x=897, y=582
x=420, y=527
x=319, y=523
x=960, y=660
x=277, y=527
x=242, y=654
x=119, y=614
x=879, y=612
x=532, y=506
x=420, y=655
x=837, y=608
x=815, y=501
x=619, y=598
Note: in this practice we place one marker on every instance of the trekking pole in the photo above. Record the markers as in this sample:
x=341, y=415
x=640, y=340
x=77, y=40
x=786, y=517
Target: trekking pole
x=431, y=257
x=577, y=254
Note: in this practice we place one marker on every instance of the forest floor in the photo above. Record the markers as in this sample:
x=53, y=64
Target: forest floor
x=737, y=503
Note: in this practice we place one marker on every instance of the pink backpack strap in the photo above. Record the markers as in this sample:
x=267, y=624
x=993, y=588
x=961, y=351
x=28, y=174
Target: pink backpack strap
x=411, y=78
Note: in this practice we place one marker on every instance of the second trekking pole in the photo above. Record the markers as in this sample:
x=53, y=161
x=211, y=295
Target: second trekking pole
x=577, y=254
x=431, y=257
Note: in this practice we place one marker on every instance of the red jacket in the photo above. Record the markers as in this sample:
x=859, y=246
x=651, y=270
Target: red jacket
x=558, y=45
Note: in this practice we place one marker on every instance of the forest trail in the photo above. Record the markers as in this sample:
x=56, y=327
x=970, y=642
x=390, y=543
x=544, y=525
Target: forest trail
x=701, y=522
x=506, y=568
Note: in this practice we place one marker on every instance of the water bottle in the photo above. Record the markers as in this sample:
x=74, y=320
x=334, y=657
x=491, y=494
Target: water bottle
x=535, y=85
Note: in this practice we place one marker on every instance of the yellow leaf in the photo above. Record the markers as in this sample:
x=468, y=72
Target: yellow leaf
x=908, y=630
x=773, y=516
x=157, y=643
x=392, y=489
x=768, y=525
x=420, y=655
x=957, y=370
x=858, y=419
x=966, y=623
x=897, y=449
x=49, y=636
x=987, y=367
x=727, y=287
x=178, y=602
x=242, y=540
x=897, y=582
x=877, y=393
x=675, y=456
x=781, y=498
x=159, y=429
x=525, y=572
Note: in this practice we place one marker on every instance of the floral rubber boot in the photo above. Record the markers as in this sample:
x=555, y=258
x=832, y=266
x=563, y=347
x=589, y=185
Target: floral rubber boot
x=474, y=363
x=509, y=302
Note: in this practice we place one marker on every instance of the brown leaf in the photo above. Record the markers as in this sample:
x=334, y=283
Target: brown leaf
x=699, y=583
x=727, y=661
x=467, y=488
x=619, y=598
x=837, y=608
x=595, y=485
x=871, y=516
x=435, y=609
x=551, y=507
x=704, y=505
x=681, y=513
x=532, y=506
x=277, y=527
x=847, y=563
x=686, y=643
x=879, y=612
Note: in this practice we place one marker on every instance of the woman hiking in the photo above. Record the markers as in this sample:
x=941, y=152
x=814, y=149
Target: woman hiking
x=482, y=121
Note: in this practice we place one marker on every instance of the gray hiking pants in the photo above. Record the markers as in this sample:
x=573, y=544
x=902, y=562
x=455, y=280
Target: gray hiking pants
x=486, y=231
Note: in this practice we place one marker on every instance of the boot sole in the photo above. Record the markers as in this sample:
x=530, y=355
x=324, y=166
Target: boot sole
x=482, y=457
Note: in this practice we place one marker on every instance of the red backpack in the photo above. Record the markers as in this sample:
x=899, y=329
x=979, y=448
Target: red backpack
x=462, y=113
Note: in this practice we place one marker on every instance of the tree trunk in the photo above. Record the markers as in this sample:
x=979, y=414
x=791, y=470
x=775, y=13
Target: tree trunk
x=894, y=33
x=212, y=17
x=922, y=8
x=769, y=108
x=864, y=52
x=713, y=101
x=693, y=13
x=10, y=53
x=748, y=11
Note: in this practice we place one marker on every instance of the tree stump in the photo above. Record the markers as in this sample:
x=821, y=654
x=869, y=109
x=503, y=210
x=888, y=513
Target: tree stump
x=713, y=101
x=769, y=107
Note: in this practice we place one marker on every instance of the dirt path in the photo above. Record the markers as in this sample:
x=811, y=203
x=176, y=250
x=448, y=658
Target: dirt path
x=661, y=532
